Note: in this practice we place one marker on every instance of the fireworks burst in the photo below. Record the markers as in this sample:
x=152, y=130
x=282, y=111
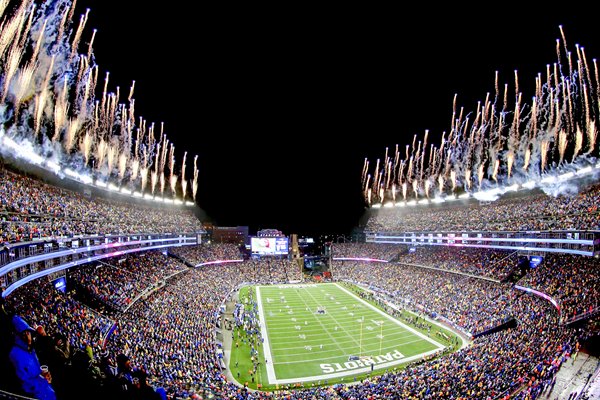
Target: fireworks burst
x=195, y=180
x=502, y=141
x=47, y=81
x=183, y=180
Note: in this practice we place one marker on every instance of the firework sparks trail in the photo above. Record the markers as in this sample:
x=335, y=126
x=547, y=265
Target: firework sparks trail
x=502, y=141
x=195, y=179
x=55, y=89
x=183, y=180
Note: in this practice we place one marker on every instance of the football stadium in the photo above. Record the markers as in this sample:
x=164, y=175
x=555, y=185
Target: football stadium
x=474, y=273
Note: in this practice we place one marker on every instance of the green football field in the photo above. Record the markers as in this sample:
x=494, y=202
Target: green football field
x=324, y=331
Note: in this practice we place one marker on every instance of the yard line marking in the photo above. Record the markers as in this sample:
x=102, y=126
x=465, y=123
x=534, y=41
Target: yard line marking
x=341, y=327
x=319, y=339
x=321, y=323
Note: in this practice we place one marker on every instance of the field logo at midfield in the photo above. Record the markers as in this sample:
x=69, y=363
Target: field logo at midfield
x=361, y=363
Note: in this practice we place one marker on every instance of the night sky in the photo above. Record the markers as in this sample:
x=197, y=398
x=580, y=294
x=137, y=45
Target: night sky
x=283, y=105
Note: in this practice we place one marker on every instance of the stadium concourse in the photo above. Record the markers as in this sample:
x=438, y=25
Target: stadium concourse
x=153, y=317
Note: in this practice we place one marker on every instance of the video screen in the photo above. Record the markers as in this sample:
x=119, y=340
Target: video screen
x=315, y=263
x=317, y=267
x=534, y=261
x=272, y=246
x=60, y=284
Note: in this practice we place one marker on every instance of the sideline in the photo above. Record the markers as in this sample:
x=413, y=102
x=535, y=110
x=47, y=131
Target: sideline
x=266, y=344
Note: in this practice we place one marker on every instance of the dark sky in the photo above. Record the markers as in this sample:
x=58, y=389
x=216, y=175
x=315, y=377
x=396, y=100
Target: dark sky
x=283, y=105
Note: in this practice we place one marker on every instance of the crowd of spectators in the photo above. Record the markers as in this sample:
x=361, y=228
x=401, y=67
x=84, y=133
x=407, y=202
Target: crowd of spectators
x=169, y=337
x=473, y=304
x=145, y=321
x=377, y=251
x=207, y=252
x=66, y=332
x=517, y=213
x=32, y=209
x=273, y=270
x=573, y=281
x=171, y=334
x=267, y=269
x=494, y=366
x=491, y=263
x=40, y=304
x=114, y=286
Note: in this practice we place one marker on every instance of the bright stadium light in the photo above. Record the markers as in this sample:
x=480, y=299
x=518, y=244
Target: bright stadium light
x=566, y=176
x=389, y=204
x=113, y=187
x=402, y=204
x=100, y=183
x=487, y=195
x=137, y=194
x=53, y=166
x=512, y=188
x=86, y=179
x=464, y=195
x=178, y=202
x=438, y=200
x=549, y=179
x=70, y=172
x=148, y=196
x=529, y=185
x=21, y=150
x=125, y=191
x=585, y=170
x=378, y=205
x=423, y=201
x=412, y=203
x=81, y=178
x=189, y=203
